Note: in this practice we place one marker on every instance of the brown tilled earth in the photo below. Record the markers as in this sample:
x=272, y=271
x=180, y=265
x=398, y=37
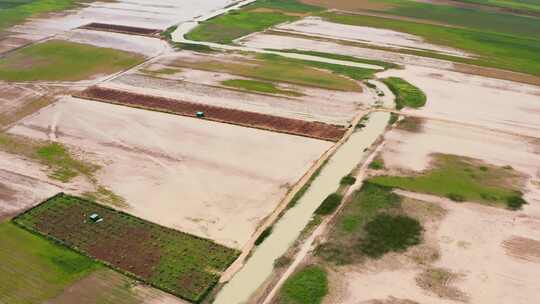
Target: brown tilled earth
x=121, y=29
x=316, y=130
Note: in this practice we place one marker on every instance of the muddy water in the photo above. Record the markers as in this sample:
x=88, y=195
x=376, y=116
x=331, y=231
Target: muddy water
x=288, y=228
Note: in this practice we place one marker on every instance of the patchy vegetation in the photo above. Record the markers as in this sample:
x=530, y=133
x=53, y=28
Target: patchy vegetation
x=347, y=180
x=494, y=50
x=411, y=124
x=406, y=94
x=63, y=164
x=18, y=11
x=252, y=18
x=389, y=233
x=176, y=262
x=27, y=260
x=330, y=204
x=377, y=164
x=258, y=86
x=462, y=179
x=347, y=239
x=384, y=64
x=57, y=60
x=307, y=286
x=439, y=281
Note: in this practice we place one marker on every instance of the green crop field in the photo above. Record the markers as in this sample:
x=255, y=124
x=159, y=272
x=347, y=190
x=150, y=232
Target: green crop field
x=58, y=60
x=179, y=263
x=406, y=94
x=521, y=6
x=461, y=179
x=33, y=270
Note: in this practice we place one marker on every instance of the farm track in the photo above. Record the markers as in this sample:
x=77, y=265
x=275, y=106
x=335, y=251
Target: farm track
x=115, y=28
x=315, y=130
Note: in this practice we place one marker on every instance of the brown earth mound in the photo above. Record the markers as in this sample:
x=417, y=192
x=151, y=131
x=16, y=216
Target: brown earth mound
x=121, y=29
x=316, y=130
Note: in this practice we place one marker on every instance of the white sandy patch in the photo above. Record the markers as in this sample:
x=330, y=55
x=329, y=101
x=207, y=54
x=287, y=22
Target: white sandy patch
x=318, y=27
x=210, y=179
x=282, y=42
x=491, y=103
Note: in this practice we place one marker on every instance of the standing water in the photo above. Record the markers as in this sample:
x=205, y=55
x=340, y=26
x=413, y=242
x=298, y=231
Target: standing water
x=260, y=266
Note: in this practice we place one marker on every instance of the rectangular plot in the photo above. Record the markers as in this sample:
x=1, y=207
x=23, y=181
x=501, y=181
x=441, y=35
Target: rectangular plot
x=176, y=262
x=316, y=130
x=131, y=30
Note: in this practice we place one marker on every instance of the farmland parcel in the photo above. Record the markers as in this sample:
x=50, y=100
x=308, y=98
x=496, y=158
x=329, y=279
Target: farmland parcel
x=165, y=258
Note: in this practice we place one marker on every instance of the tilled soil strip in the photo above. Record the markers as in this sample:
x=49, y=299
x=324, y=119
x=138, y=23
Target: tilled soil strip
x=121, y=29
x=316, y=130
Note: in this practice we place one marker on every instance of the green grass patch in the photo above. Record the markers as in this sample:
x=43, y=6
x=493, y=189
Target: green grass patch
x=329, y=204
x=307, y=286
x=63, y=165
x=347, y=180
x=461, y=179
x=407, y=95
x=377, y=164
x=34, y=270
x=176, y=262
x=235, y=24
x=258, y=86
x=521, y=6
x=253, y=18
x=57, y=60
x=389, y=233
x=519, y=54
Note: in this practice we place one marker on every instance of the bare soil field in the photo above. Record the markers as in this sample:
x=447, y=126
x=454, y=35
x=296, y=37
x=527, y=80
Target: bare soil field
x=237, y=117
x=411, y=151
x=317, y=27
x=139, y=13
x=123, y=29
x=169, y=170
x=18, y=101
x=313, y=104
x=475, y=100
x=473, y=265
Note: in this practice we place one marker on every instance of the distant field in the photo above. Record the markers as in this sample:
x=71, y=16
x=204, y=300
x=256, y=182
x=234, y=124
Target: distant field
x=532, y=6
x=58, y=60
x=253, y=18
x=13, y=12
x=176, y=262
x=33, y=270
x=496, y=50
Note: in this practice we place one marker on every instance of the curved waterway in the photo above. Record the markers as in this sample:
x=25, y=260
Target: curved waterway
x=261, y=264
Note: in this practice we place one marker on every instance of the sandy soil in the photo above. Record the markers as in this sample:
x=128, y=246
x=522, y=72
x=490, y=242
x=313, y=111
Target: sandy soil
x=327, y=106
x=138, y=13
x=411, y=151
x=209, y=179
x=318, y=27
x=23, y=184
x=470, y=239
x=496, y=104
x=271, y=41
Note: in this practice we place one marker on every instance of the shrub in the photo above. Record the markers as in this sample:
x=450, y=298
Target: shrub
x=329, y=204
x=456, y=197
x=387, y=233
x=348, y=180
x=308, y=286
x=515, y=202
x=266, y=233
x=376, y=164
